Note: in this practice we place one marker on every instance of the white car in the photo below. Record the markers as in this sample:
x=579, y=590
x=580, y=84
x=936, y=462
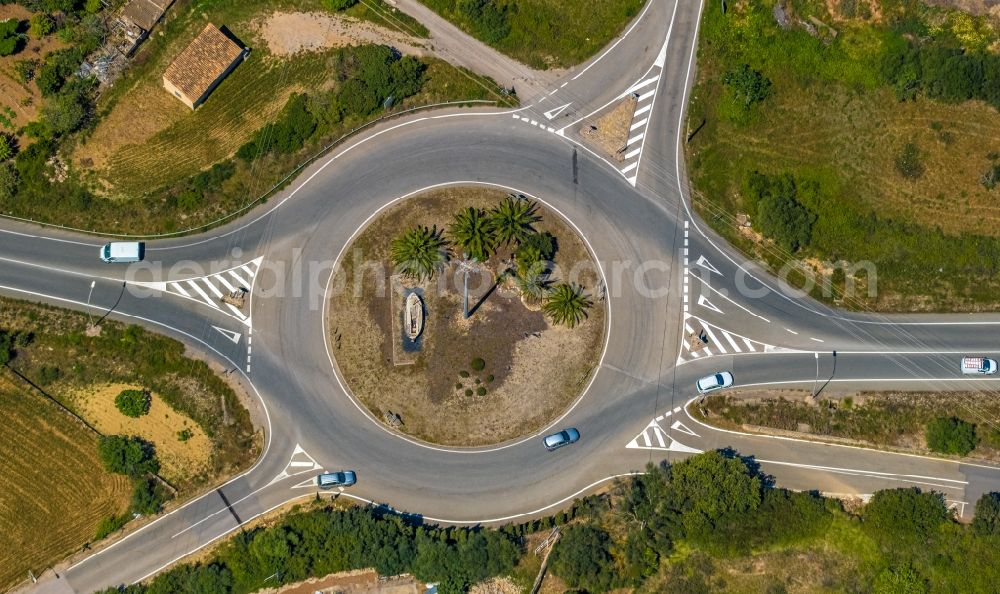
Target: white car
x=716, y=381
x=978, y=366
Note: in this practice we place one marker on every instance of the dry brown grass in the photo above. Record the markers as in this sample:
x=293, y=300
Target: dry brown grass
x=860, y=134
x=179, y=459
x=535, y=377
x=53, y=489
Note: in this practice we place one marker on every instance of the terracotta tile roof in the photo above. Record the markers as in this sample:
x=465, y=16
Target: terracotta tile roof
x=202, y=62
x=145, y=13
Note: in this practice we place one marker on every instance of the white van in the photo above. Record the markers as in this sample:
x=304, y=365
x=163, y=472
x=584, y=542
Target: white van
x=978, y=366
x=123, y=251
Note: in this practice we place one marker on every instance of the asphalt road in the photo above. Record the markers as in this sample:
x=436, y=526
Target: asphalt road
x=659, y=262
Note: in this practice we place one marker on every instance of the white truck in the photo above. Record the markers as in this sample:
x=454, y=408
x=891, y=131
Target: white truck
x=978, y=366
x=123, y=251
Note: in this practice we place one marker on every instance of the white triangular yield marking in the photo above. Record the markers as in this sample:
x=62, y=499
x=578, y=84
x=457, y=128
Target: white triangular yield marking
x=702, y=301
x=231, y=335
x=297, y=462
x=552, y=113
x=703, y=262
x=678, y=426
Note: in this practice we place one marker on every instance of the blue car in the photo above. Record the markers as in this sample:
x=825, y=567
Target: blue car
x=329, y=480
x=558, y=440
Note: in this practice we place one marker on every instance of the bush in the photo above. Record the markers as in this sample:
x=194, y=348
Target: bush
x=468, y=392
x=458, y=385
x=128, y=455
x=184, y=434
x=25, y=69
x=480, y=391
x=463, y=373
x=986, y=522
x=477, y=364
x=779, y=214
x=904, y=514
x=110, y=524
x=951, y=436
x=338, y=5
x=40, y=25
x=908, y=162
x=133, y=403
x=486, y=19
x=8, y=182
x=148, y=496
x=489, y=379
x=902, y=580
x=747, y=86
x=7, y=147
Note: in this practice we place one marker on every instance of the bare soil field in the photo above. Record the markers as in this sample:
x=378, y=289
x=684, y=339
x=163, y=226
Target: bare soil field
x=288, y=33
x=178, y=459
x=53, y=489
x=22, y=99
x=533, y=370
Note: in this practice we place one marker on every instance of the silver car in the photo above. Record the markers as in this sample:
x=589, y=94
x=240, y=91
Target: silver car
x=716, y=381
x=558, y=440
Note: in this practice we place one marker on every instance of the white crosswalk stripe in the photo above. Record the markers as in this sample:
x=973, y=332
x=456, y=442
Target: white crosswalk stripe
x=654, y=437
x=720, y=341
x=209, y=290
x=645, y=94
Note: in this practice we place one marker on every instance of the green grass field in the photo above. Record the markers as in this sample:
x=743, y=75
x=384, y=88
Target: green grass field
x=548, y=33
x=834, y=125
x=53, y=488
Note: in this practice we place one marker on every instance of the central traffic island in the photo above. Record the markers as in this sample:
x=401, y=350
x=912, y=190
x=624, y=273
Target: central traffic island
x=466, y=316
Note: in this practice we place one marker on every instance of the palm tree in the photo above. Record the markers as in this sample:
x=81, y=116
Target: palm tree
x=513, y=219
x=533, y=286
x=474, y=231
x=420, y=253
x=567, y=304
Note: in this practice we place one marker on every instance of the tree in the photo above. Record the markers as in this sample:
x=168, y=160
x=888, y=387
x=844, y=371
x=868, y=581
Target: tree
x=951, y=436
x=10, y=39
x=133, y=403
x=748, y=86
x=533, y=286
x=986, y=522
x=474, y=231
x=901, y=580
x=40, y=24
x=904, y=514
x=419, y=253
x=534, y=252
x=712, y=489
x=128, y=455
x=567, y=304
x=513, y=220
x=582, y=558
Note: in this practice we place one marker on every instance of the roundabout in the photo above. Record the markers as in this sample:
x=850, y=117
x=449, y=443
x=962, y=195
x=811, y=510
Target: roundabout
x=632, y=409
x=478, y=373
